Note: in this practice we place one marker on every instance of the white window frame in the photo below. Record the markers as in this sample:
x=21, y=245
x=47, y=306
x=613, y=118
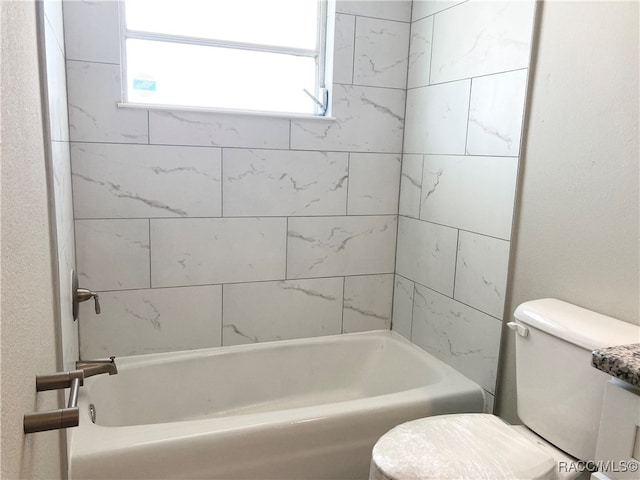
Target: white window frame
x=320, y=96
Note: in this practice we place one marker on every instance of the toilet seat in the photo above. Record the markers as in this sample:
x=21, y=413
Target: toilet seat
x=461, y=446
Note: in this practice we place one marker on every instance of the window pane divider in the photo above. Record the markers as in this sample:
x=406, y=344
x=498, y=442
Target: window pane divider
x=256, y=47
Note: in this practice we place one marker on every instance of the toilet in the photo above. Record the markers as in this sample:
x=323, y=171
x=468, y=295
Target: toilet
x=559, y=401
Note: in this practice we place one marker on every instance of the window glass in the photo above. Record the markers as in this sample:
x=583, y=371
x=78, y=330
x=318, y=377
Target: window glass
x=230, y=54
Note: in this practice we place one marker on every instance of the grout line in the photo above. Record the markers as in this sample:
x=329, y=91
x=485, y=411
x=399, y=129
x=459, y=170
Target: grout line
x=413, y=308
x=433, y=29
x=457, y=228
x=148, y=127
x=221, y=314
x=443, y=10
x=346, y=208
x=344, y=280
x=236, y=217
x=149, y=233
x=286, y=250
x=421, y=185
x=92, y=61
x=374, y=18
x=455, y=265
x=353, y=56
x=466, y=133
x=230, y=147
x=398, y=89
x=290, y=122
x=273, y=280
x=222, y=183
x=465, y=78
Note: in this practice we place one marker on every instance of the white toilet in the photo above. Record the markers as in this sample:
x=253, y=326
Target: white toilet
x=559, y=400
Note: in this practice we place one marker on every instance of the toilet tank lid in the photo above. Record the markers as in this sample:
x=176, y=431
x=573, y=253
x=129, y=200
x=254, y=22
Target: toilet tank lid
x=577, y=325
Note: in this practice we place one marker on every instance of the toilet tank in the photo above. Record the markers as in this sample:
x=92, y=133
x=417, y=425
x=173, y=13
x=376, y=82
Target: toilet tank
x=559, y=392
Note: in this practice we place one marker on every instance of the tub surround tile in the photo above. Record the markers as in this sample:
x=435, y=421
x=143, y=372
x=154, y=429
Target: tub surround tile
x=424, y=8
x=127, y=181
x=56, y=85
x=480, y=38
x=368, y=302
x=93, y=92
x=420, y=53
x=202, y=251
x=464, y=338
x=411, y=186
x=622, y=362
x=373, y=184
x=138, y=322
x=284, y=183
x=496, y=114
x=217, y=130
x=53, y=15
x=112, y=254
x=437, y=118
x=381, y=53
x=471, y=193
x=387, y=9
x=427, y=254
x=402, y=306
x=343, y=48
x=368, y=119
x=267, y=311
x=91, y=31
x=481, y=272
x=336, y=246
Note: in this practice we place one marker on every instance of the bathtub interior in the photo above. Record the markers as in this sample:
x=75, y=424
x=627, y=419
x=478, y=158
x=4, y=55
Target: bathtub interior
x=250, y=379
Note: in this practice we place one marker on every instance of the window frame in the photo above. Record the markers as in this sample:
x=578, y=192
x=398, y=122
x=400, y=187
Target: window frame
x=322, y=105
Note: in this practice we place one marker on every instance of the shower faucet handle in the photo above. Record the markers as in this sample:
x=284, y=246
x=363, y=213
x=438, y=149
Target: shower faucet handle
x=81, y=295
x=84, y=294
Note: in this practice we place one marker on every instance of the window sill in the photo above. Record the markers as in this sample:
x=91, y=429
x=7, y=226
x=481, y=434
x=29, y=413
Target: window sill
x=222, y=111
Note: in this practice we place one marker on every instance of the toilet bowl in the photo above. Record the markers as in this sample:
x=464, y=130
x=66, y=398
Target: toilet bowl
x=559, y=400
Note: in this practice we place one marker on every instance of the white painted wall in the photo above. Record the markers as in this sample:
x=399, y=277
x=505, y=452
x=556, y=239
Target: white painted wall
x=577, y=226
x=28, y=342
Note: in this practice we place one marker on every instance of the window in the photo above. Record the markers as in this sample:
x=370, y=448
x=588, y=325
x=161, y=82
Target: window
x=254, y=55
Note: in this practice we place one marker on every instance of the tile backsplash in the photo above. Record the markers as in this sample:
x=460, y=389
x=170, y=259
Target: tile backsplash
x=203, y=229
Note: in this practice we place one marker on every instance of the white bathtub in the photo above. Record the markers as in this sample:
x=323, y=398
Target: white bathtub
x=295, y=409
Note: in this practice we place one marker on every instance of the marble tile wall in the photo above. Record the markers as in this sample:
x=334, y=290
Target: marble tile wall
x=467, y=76
x=203, y=229
x=60, y=169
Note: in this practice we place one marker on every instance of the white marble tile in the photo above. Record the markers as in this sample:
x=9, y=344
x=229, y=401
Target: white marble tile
x=388, y=9
x=423, y=8
x=368, y=302
x=138, y=322
x=112, y=254
x=410, y=186
x=374, y=180
x=369, y=119
x=479, y=38
x=284, y=183
x=61, y=170
x=217, y=130
x=464, y=338
x=381, y=53
x=197, y=251
x=133, y=181
x=92, y=31
x=471, y=193
x=343, y=48
x=53, y=15
x=402, y=306
x=94, y=91
x=266, y=311
x=420, y=53
x=437, y=118
x=481, y=272
x=427, y=254
x=496, y=114
x=331, y=246
x=56, y=86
